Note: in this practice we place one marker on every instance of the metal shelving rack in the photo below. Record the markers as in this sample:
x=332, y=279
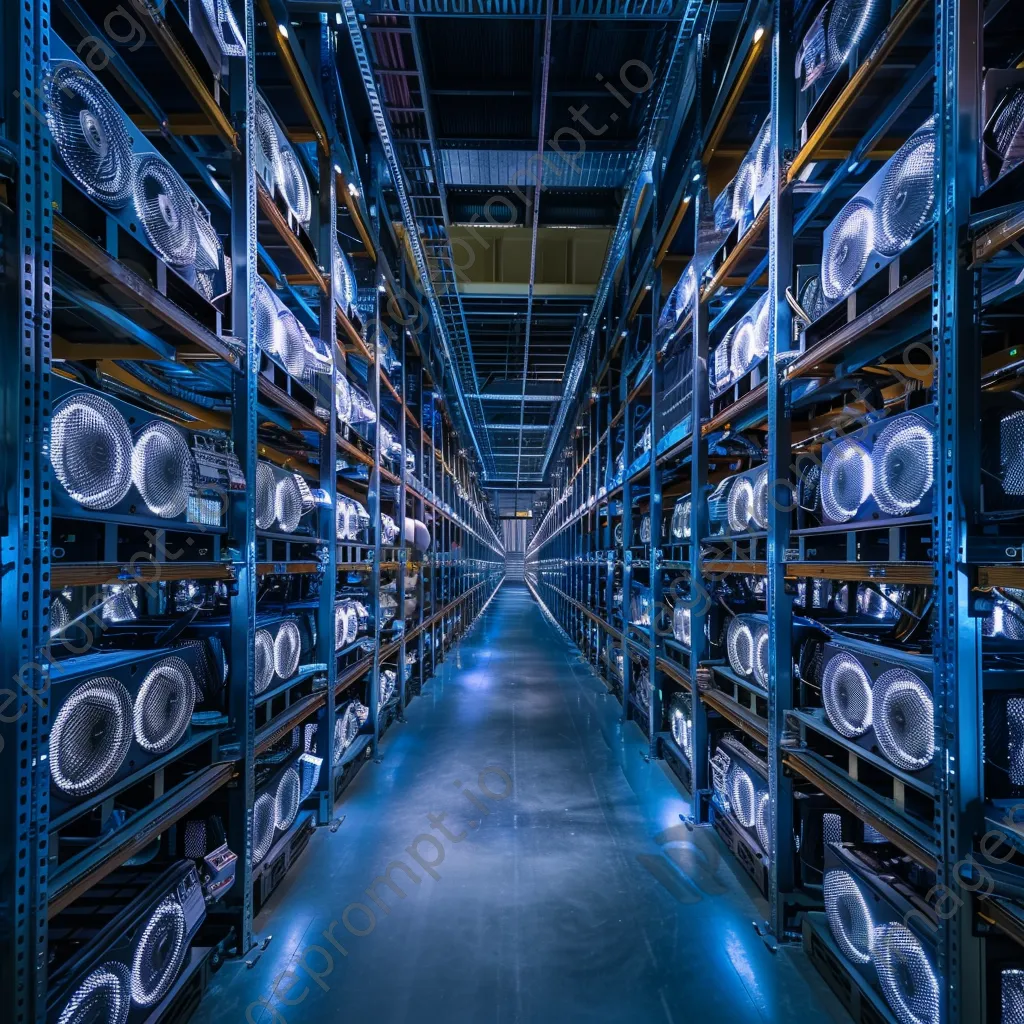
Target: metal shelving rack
x=84, y=302
x=942, y=319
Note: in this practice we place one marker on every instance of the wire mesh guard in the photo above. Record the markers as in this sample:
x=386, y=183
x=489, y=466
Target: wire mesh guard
x=1011, y=996
x=903, y=464
x=1011, y=454
x=163, y=470
x=761, y=652
x=1004, y=135
x=681, y=724
x=263, y=652
x=90, y=133
x=849, y=917
x=848, y=22
x=287, y=797
x=164, y=705
x=906, y=199
x=287, y=649
x=388, y=686
x=846, y=695
x=763, y=822
x=906, y=975
x=90, y=736
x=104, y=997
x=91, y=451
x=742, y=796
x=680, y=525
x=681, y=618
x=739, y=642
x=904, y=719
x=347, y=726
x=263, y=819
x=159, y=952
x=847, y=478
x=849, y=247
x=165, y=207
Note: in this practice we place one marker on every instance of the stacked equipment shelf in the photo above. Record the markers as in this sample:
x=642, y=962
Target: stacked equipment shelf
x=241, y=530
x=788, y=522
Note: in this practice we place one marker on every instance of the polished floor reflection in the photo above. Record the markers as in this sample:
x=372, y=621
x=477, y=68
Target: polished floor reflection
x=515, y=858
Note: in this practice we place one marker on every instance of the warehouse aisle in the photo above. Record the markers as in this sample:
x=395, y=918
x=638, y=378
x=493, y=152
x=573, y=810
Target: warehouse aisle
x=565, y=890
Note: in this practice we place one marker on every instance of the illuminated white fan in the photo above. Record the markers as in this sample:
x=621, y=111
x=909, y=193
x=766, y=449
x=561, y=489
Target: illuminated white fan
x=904, y=719
x=266, y=490
x=163, y=468
x=681, y=618
x=103, y=997
x=741, y=505
x=739, y=642
x=287, y=649
x=903, y=464
x=906, y=199
x=742, y=797
x=291, y=343
x=849, y=246
x=165, y=207
x=744, y=347
x=294, y=185
x=847, y=24
x=90, y=133
x=906, y=975
x=846, y=695
x=209, y=258
x=90, y=736
x=346, y=728
x=268, y=142
x=847, y=477
x=287, y=797
x=849, y=916
x=292, y=500
x=268, y=328
x=681, y=721
x=681, y=519
x=262, y=826
x=763, y=822
x=91, y=450
x=761, y=645
x=342, y=398
x=164, y=705
x=263, y=656
x=159, y=952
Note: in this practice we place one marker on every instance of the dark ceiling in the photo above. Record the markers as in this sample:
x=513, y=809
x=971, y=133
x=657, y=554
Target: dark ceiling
x=464, y=97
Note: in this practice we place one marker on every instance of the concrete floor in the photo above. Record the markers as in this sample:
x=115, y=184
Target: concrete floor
x=577, y=897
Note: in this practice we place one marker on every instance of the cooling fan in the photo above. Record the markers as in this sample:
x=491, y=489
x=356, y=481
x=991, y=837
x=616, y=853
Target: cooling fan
x=680, y=717
x=90, y=133
x=113, y=713
x=279, y=797
x=739, y=504
x=279, y=167
x=743, y=348
x=681, y=619
x=884, y=469
x=1003, y=137
x=680, y=525
x=841, y=27
x=881, y=699
x=346, y=728
x=165, y=208
x=890, y=212
x=129, y=955
x=282, y=499
x=875, y=918
x=346, y=288
x=220, y=21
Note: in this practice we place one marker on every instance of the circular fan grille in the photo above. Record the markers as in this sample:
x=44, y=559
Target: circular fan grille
x=262, y=827
x=681, y=624
x=60, y=616
x=903, y=460
x=762, y=156
x=1004, y=133
x=346, y=727
x=268, y=141
x=266, y=487
x=846, y=480
x=91, y=736
x=268, y=327
x=90, y=133
x=739, y=642
x=387, y=687
x=849, y=246
x=743, y=189
x=91, y=450
x=102, y=998
x=341, y=514
x=264, y=658
x=906, y=975
x=163, y=203
x=761, y=657
x=740, y=511
x=764, y=823
x=294, y=186
x=904, y=719
x=343, y=398
x=742, y=798
x=162, y=468
x=906, y=199
x=287, y=649
x=645, y=530
x=759, y=507
x=288, y=504
x=1006, y=618
x=291, y=346
x=164, y=705
x=159, y=952
x=743, y=348
x=847, y=22
x=286, y=799
x=681, y=519
x=846, y=694
x=849, y=917
x=1012, y=996
x=682, y=730
x=342, y=617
